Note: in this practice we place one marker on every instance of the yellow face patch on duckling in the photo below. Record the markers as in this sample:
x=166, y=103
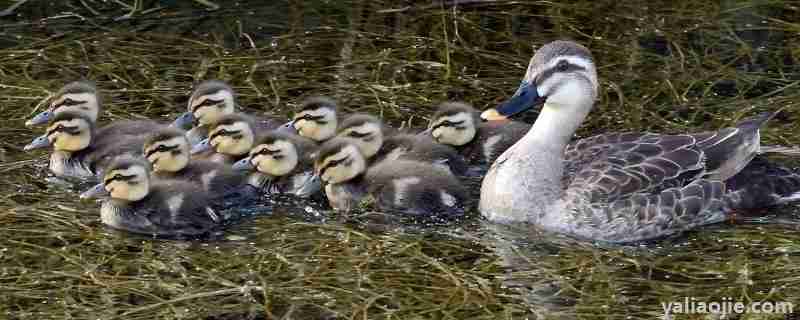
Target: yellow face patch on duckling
x=234, y=139
x=131, y=183
x=368, y=137
x=341, y=166
x=70, y=135
x=85, y=103
x=169, y=155
x=208, y=108
x=317, y=124
x=276, y=159
x=456, y=129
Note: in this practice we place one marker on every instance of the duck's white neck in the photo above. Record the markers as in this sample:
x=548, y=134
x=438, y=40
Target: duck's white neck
x=525, y=181
x=555, y=126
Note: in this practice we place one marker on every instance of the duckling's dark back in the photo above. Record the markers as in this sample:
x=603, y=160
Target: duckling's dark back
x=416, y=188
x=422, y=148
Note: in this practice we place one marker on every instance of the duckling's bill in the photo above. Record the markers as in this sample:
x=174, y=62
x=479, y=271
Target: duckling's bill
x=37, y=143
x=184, y=121
x=202, y=146
x=99, y=190
x=39, y=119
x=243, y=165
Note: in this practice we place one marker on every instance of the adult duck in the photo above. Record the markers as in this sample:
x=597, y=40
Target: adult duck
x=617, y=187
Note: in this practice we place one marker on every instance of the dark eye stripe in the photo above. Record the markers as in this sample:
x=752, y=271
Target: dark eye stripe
x=356, y=134
x=62, y=128
x=334, y=163
x=448, y=123
x=119, y=177
x=542, y=77
x=68, y=102
x=223, y=132
x=207, y=102
x=161, y=148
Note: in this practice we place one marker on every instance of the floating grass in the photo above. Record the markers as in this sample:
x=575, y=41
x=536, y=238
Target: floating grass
x=667, y=67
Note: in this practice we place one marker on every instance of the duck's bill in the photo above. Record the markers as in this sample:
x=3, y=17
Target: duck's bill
x=39, y=119
x=184, y=121
x=99, y=190
x=37, y=143
x=202, y=146
x=243, y=165
x=526, y=97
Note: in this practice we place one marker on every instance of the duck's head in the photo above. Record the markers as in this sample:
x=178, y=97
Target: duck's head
x=561, y=76
x=232, y=134
x=316, y=119
x=366, y=132
x=78, y=96
x=275, y=154
x=454, y=123
x=125, y=178
x=339, y=160
x=167, y=150
x=67, y=131
x=211, y=100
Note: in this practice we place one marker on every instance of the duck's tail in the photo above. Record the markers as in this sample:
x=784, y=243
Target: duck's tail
x=763, y=184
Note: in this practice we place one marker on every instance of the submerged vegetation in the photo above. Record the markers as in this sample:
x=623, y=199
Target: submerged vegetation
x=665, y=66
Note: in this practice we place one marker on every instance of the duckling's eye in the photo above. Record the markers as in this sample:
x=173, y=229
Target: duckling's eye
x=70, y=102
x=278, y=157
x=562, y=66
x=354, y=134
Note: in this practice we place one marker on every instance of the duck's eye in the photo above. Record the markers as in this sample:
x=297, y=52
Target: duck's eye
x=562, y=66
x=278, y=157
x=358, y=135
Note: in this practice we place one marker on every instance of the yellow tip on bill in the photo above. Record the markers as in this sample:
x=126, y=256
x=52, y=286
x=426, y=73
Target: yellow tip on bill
x=492, y=115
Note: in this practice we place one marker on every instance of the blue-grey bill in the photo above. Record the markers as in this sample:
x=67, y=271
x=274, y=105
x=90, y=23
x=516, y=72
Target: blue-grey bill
x=201, y=146
x=99, y=190
x=37, y=143
x=243, y=165
x=184, y=121
x=41, y=118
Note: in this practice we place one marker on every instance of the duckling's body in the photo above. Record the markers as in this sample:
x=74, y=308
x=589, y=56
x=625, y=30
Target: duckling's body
x=282, y=163
x=480, y=142
x=377, y=143
x=168, y=152
x=77, y=152
x=210, y=101
x=141, y=205
x=409, y=187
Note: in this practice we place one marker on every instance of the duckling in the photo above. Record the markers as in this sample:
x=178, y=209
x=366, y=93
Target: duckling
x=78, y=151
x=138, y=204
x=377, y=144
x=404, y=186
x=316, y=119
x=82, y=97
x=229, y=139
x=284, y=164
x=480, y=142
x=167, y=150
x=210, y=101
